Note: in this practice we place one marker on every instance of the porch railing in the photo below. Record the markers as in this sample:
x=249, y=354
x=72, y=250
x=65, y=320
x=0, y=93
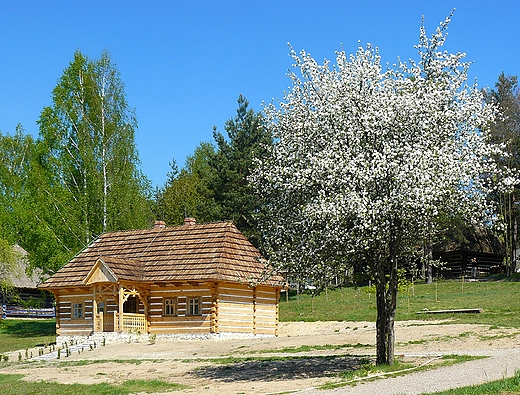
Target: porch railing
x=131, y=322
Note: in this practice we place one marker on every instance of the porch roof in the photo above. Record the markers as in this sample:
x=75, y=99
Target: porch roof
x=190, y=252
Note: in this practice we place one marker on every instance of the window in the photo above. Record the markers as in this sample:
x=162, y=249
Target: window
x=170, y=307
x=77, y=310
x=131, y=305
x=194, y=306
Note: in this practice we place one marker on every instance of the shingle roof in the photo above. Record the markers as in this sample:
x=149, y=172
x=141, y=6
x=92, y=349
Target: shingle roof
x=199, y=252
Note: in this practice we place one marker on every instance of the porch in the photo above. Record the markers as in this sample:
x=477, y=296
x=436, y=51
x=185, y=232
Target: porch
x=120, y=308
x=120, y=322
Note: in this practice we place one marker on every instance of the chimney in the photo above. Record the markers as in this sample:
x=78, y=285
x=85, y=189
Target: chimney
x=189, y=221
x=159, y=225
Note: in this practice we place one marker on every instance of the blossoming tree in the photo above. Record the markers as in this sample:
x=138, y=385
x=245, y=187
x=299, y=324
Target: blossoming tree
x=365, y=160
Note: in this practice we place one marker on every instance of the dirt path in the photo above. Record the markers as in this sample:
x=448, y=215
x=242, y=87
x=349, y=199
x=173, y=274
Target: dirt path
x=500, y=364
x=333, y=347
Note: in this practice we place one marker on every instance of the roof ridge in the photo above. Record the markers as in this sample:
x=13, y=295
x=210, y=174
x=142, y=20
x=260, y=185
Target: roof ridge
x=199, y=224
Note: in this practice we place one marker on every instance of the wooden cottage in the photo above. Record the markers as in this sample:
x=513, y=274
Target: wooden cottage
x=473, y=252
x=189, y=279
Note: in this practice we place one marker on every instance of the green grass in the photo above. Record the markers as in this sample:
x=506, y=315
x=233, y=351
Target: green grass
x=508, y=386
x=499, y=299
x=11, y=384
x=24, y=334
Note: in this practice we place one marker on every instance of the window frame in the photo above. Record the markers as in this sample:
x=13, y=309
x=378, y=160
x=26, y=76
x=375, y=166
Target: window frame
x=173, y=304
x=191, y=306
x=78, y=310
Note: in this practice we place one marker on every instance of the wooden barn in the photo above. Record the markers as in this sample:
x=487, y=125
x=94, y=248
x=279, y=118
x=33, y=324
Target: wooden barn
x=188, y=279
x=476, y=252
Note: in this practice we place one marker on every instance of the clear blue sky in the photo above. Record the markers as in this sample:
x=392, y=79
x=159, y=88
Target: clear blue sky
x=184, y=63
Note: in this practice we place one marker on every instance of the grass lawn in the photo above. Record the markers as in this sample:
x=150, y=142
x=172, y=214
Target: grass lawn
x=508, y=386
x=499, y=299
x=23, y=334
x=11, y=384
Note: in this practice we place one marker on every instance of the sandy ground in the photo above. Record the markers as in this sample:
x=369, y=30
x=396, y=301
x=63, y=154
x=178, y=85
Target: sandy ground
x=188, y=361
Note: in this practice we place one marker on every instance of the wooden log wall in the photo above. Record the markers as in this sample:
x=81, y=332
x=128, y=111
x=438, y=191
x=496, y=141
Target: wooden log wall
x=266, y=311
x=458, y=263
x=223, y=308
x=182, y=322
x=244, y=309
x=235, y=308
x=68, y=325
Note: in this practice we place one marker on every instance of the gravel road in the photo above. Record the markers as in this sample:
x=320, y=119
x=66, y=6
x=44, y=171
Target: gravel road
x=498, y=365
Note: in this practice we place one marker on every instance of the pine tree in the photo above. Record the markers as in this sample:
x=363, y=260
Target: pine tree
x=247, y=139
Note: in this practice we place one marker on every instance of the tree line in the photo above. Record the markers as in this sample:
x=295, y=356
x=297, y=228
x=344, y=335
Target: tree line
x=81, y=176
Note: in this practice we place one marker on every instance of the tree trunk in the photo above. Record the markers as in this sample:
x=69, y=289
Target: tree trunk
x=386, y=296
x=384, y=271
x=514, y=243
x=385, y=325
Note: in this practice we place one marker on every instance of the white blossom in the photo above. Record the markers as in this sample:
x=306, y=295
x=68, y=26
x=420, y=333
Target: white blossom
x=366, y=158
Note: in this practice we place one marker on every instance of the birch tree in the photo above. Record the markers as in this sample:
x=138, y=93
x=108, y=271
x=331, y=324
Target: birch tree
x=35, y=210
x=89, y=133
x=366, y=158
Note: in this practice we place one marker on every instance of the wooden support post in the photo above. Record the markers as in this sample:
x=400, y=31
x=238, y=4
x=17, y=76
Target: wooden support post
x=121, y=303
x=214, y=309
x=58, y=321
x=94, y=309
x=254, y=310
x=277, y=313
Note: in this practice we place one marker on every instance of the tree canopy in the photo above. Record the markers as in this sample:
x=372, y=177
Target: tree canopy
x=88, y=137
x=366, y=159
x=232, y=163
x=187, y=193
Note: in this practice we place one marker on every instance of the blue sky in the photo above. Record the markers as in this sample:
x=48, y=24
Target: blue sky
x=184, y=64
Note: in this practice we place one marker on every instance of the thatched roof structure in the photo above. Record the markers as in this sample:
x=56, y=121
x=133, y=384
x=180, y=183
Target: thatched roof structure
x=20, y=276
x=475, y=239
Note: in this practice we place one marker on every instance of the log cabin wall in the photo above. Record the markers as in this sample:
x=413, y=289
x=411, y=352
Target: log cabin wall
x=180, y=309
x=266, y=311
x=235, y=308
x=74, y=312
x=224, y=308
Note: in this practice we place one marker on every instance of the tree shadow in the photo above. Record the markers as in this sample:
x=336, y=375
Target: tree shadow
x=281, y=369
x=28, y=328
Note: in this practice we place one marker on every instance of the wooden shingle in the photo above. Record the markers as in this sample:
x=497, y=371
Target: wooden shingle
x=196, y=252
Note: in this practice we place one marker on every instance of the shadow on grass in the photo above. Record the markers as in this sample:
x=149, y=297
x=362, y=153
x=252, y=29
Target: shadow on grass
x=28, y=328
x=281, y=369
